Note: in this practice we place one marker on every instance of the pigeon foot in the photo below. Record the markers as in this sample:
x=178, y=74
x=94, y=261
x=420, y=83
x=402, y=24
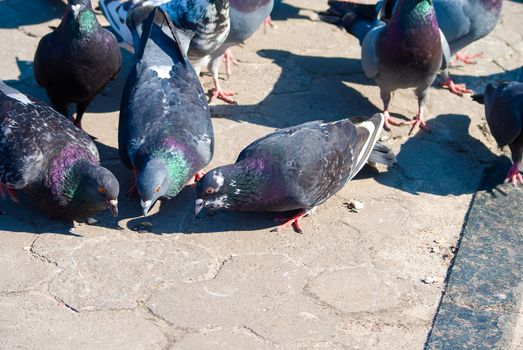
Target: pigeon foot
x=8, y=192
x=457, y=89
x=225, y=96
x=390, y=121
x=467, y=59
x=268, y=23
x=514, y=176
x=294, y=221
x=417, y=124
x=197, y=177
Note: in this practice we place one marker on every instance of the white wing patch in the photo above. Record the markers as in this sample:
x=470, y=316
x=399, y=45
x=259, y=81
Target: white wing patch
x=162, y=71
x=13, y=93
x=369, y=126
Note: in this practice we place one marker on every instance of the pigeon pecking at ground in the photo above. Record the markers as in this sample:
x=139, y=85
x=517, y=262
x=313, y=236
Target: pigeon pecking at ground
x=294, y=169
x=47, y=157
x=77, y=60
x=407, y=51
x=504, y=113
x=165, y=132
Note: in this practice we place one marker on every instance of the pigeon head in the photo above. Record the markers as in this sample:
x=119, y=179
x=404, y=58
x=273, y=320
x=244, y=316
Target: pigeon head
x=152, y=183
x=237, y=186
x=77, y=6
x=97, y=188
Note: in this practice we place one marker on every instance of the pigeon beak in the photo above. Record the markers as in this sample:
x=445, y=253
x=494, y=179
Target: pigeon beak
x=76, y=10
x=113, y=205
x=146, y=206
x=199, y=205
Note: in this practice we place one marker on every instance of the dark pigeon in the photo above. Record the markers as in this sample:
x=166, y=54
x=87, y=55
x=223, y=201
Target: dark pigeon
x=294, y=169
x=407, y=51
x=246, y=17
x=165, y=132
x=47, y=157
x=77, y=60
x=504, y=113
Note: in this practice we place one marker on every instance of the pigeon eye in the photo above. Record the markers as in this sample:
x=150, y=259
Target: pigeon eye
x=209, y=190
x=101, y=189
x=157, y=189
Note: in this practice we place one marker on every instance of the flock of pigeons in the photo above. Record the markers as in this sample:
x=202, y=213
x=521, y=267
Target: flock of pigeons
x=165, y=132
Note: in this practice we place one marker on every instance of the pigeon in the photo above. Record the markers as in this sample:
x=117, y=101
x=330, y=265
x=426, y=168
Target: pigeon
x=405, y=52
x=294, y=169
x=77, y=60
x=504, y=113
x=45, y=156
x=165, y=133
x=246, y=16
x=201, y=25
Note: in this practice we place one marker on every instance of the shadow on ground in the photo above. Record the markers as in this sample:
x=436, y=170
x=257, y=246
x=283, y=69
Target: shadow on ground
x=446, y=161
x=17, y=13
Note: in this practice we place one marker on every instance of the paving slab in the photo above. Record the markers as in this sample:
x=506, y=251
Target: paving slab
x=367, y=280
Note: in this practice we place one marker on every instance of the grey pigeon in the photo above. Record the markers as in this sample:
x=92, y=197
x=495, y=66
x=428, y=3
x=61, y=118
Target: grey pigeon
x=47, y=157
x=77, y=60
x=294, y=169
x=405, y=52
x=200, y=25
x=246, y=17
x=165, y=132
x=504, y=113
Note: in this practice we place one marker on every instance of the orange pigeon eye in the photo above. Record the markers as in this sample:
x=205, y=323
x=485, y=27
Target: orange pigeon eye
x=101, y=189
x=209, y=190
x=157, y=189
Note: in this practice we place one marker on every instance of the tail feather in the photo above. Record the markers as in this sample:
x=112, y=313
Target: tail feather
x=479, y=98
x=382, y=154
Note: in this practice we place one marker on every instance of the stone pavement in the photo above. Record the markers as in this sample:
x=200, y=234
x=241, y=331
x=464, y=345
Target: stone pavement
x=370, y=280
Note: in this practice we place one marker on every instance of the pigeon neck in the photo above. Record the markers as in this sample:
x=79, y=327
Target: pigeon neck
x=85, y=23
x=64, y=177
x=413, y=13
x=178, y=168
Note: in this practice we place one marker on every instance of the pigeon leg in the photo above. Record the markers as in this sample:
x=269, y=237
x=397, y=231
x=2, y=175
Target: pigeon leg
x=8, y=192
x=268, y=23
x=229, y=59
x=514, y=176
x=458, y=89
x=467, y=59
x=133, y=189
x=220, y=94
x=80, y=110
x=418, y=122
x=293, y=220
x=386, y=96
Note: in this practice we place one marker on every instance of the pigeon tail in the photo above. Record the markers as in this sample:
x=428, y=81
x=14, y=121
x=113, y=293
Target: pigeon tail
x=357, y=19
x=382, y=154
x=159, y=28
x=479, y=98
x=369, y=131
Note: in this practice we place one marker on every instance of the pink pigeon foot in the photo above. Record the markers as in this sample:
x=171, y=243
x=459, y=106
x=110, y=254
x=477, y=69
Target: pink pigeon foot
x=389, y=121
x=514, y=176
x=197, y=177
x=417, y=123
x=268, y=23
x=225, y=96
x=467, y=59
x=458, y=89
x=8, y=192
x=229, y=59
x=294, y=221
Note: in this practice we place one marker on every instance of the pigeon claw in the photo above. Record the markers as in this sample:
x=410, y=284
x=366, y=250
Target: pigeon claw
x=294, y=221
x=390, y=121
x=268, y=23
x=225, y=96
x=6, y=192
x=514, y=176
x=457, y=89
x=467, y=59
x=417, y=124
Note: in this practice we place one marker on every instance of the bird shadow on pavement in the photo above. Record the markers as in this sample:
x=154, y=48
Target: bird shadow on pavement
x=176, y=216
x=17, y=13
x=283, y=11
x=308, y=88
x=445, y=161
